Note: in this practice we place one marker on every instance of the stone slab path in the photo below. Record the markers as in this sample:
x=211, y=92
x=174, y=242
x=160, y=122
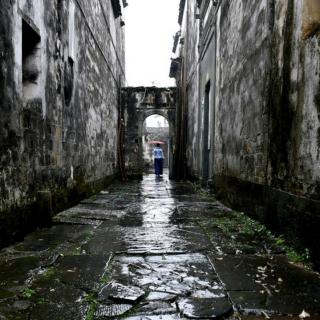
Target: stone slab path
x=152, y=250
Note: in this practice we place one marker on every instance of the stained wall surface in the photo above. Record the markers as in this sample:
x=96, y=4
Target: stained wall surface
x=61, y=69
x=262, y=61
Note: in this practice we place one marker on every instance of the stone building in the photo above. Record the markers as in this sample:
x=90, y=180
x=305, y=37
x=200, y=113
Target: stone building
x=248, y=73
x=61, y=70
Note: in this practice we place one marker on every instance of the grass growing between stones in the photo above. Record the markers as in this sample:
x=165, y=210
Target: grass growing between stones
x=92, y=301
x=49, y=273
x=88, y=235
x=28, y=293
x=31, y=293
x=77, y=250
x=301, y=256
x=245, y=235
x=237, y=226
x=241, y=224
x=204, y=193
x=92, y=297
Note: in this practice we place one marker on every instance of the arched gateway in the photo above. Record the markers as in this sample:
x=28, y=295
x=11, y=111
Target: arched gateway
x=138, y=103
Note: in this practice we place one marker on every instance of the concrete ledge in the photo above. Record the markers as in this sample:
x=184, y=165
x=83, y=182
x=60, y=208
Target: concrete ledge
x=16, y=222
x=297, y=218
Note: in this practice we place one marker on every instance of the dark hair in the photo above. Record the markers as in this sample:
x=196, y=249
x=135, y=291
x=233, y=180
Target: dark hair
x=158, y=145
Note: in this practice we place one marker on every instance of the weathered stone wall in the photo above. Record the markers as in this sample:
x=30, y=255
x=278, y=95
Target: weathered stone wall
x=138, y=104
x=265, y=107
x=266, y=124
x=265, y=152
x=59, y=105
x=241, y=90
x=185, y=69
x=294, y=158
x=192, y=86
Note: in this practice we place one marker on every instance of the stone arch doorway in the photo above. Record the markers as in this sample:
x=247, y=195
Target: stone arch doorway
x=137, y=105
x=156, y=128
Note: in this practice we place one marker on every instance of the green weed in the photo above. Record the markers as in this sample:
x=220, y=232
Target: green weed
x=302, y=257
x=88, y=235
x=238, y=224
x=49, y=273
x=41, y=301
x=75, y=251
x=92, y=298
x=28, y=293
x=93, y=303
x=204, y=193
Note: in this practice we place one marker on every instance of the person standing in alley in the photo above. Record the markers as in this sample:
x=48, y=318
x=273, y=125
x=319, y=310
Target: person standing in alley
x=158, y=160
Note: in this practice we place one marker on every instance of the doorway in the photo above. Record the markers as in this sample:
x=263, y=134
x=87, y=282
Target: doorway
x=155, y=130
x=206, y=133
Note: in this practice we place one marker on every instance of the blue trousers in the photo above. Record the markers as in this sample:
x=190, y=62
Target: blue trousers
x=158, y=166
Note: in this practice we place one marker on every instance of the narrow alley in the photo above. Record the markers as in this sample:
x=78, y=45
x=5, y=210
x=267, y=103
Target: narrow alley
x=153, y=249
x=98, y=97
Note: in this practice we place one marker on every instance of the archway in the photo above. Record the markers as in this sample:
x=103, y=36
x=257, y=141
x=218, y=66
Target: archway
x=138, y=104
x=155, y=129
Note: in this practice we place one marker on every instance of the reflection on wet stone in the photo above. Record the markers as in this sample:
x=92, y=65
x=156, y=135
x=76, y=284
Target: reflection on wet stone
x=169, y=278
x=150, y=250
x=205, y=308
x=118, y=292
x=155, y=317
x=161, y=296
x=157, y=308
x=110, y=311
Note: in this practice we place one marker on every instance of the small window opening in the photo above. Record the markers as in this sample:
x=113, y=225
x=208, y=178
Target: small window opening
x=71, y=27
x=68, y=80
x=116, y=7
x=31, y=60
x=208, y=112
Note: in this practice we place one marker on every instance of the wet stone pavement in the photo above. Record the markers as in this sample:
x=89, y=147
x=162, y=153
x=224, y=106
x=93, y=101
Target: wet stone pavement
x=152, y=250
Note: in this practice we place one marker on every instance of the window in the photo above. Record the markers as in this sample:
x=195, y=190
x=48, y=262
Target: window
x=69, y=64
x=71, y=27
x=31, y=61
x=116, y=8
x=208, y=113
